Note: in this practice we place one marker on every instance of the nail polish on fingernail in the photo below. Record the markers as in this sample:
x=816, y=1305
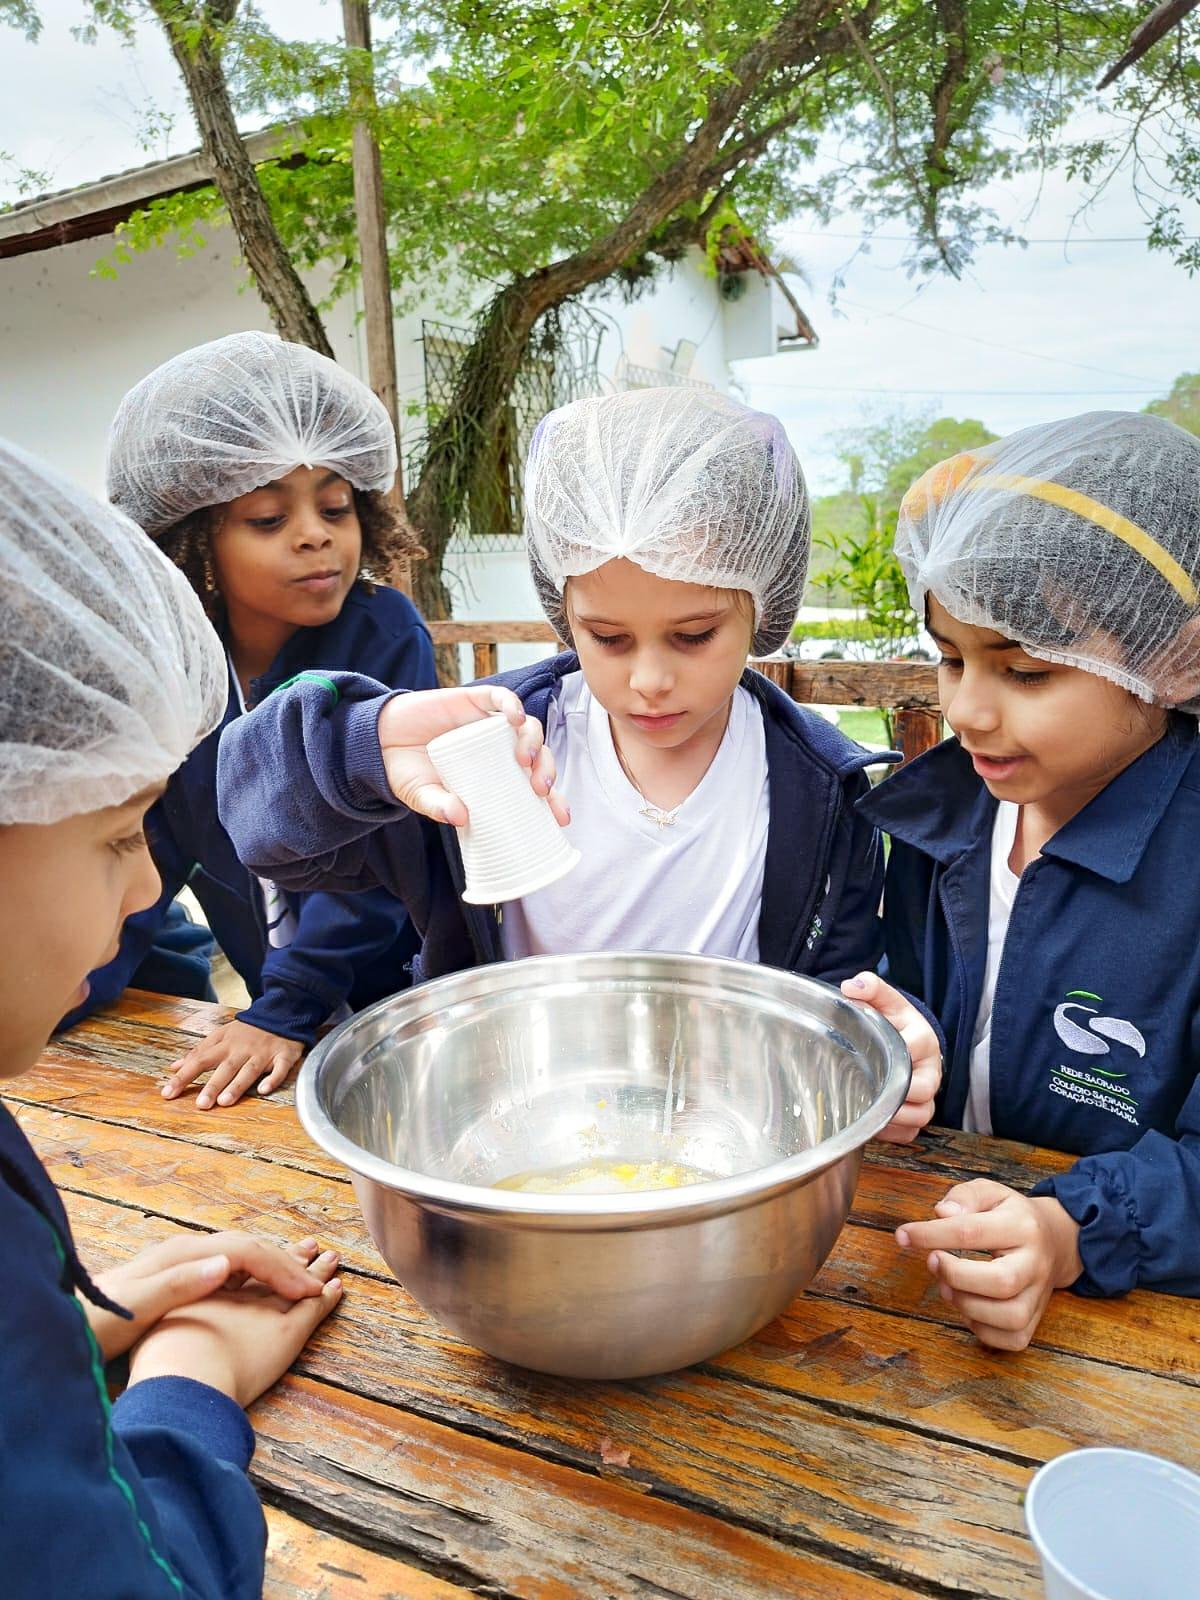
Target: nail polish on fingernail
x=859, y=984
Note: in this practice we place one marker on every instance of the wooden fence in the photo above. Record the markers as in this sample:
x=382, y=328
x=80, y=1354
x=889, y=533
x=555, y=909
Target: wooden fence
x=906, y=688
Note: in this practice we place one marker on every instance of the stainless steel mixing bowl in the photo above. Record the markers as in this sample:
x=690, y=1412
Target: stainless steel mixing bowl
x=771, y=1082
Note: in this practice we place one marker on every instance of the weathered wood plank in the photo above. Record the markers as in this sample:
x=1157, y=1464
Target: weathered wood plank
x=841, y=1356
x=533, y=1527
x=831, y=683
x=306, y=1563
x=758, y=1455
x=892, y=684
x=216, y=1189
x=492, y=633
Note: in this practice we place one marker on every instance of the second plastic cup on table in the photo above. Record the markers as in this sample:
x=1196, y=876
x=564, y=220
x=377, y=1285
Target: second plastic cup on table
x=1115, y=1525
x=512, y=845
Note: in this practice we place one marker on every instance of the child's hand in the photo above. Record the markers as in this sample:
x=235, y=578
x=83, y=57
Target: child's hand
x=1034, y=1249
x=409, y=721
x=236, y=1055
x=188, y=1268
x=923, y=1050
x=239, y=1340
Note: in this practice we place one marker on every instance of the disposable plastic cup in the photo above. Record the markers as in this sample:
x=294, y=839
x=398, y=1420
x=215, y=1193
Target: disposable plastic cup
x=1115, y=1525
x=512, y=845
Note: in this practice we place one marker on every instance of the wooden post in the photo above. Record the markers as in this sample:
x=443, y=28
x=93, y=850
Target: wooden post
x=373, y=251
x=917, y=730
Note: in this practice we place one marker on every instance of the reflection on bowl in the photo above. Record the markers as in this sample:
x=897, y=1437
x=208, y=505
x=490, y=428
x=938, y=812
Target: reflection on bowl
x=764, y=1085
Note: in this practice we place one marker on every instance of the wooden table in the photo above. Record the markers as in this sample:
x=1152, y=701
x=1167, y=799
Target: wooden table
x=861, y=1446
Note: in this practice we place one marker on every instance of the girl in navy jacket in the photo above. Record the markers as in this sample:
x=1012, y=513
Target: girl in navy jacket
x=1043, y=885
x=109, y=672
x=259, y=466
x=668, y=532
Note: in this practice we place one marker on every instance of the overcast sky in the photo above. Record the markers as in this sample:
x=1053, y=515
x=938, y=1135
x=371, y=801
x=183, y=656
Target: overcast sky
x=1027, y=335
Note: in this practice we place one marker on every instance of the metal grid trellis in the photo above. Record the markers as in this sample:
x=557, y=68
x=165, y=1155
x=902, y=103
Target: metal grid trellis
x=561, y=364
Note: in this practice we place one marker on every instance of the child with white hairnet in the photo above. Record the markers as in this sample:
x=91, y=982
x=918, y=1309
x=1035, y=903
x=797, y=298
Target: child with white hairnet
x=1043, y=886
x=109, y=674
x=668, y=532
x=259, y=466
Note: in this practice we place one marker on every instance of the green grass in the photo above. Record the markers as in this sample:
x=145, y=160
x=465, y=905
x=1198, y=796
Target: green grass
x=865, y=726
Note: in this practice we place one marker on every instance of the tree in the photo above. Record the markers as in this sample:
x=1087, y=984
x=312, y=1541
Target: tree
x=547, y=147
x=1182, y=405
x=854, y=531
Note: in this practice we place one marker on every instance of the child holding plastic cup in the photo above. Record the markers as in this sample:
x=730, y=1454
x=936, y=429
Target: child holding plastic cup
x=668, y=532
x=109, y=674
x=1043, y=885
x=259, y=466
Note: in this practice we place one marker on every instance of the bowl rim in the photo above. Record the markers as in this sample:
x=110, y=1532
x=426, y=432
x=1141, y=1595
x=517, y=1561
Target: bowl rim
x=591, y=1210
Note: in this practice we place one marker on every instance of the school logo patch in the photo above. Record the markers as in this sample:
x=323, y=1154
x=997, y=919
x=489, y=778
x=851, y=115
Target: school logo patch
x=1084, y=1031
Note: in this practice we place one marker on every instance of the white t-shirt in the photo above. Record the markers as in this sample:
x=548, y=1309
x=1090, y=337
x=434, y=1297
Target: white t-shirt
x=694, y=884
x=977, y=1117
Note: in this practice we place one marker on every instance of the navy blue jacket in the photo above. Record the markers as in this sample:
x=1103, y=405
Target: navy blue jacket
x=305, y=797
x=1095, y=1043
x=144, y=1500
x=353, y=948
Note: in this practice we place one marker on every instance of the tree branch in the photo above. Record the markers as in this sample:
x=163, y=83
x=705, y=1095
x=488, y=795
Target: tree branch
x=194, y=38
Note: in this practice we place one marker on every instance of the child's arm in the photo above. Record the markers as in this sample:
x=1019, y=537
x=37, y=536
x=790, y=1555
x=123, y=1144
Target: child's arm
x=337, y=939
x=309, y=781
x=849, y=946
x=1111, y=1223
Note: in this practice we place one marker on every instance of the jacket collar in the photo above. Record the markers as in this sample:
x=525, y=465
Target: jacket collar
x=939, y=805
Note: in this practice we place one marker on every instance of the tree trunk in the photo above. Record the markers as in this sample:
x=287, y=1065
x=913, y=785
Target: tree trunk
x=491, y=364
x=194, y=36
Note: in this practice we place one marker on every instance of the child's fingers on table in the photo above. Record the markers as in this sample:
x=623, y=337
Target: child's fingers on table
x=1010, y=1313
x=281, y=1066
x=969, y=1230
x=1004, y=1277
x=247, y=1076
x=977, y=1194
x=186, y=1069
x=222, y=1075
x=288, y=1272
x=1001, y=1338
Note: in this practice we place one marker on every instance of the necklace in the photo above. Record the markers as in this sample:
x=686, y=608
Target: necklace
x=664, y=819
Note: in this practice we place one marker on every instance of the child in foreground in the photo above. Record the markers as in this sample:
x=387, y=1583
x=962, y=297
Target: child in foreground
x=1043, y=885
x=668, y=532
x=259, y=467
x=109, y=673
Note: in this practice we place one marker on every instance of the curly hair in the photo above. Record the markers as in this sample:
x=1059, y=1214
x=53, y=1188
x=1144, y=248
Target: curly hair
x=387, y=537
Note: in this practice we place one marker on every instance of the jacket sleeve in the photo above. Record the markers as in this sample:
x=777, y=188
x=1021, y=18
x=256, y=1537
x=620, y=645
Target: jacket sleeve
x=847, y=935
x=1138, y=1211
x=149, y=1498
x=191, y=1446
x=303, y=794
x=337, y=937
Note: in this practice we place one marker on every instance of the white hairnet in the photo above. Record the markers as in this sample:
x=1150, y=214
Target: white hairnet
x=688, y=484
x=1078, y=539
x=227, y=417
x=109, y=670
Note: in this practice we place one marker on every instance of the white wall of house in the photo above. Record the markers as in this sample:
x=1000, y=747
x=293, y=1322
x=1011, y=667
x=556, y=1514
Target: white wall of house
x=72, y=343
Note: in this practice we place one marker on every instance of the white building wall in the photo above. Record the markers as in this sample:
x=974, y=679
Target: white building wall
x=71, y=344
